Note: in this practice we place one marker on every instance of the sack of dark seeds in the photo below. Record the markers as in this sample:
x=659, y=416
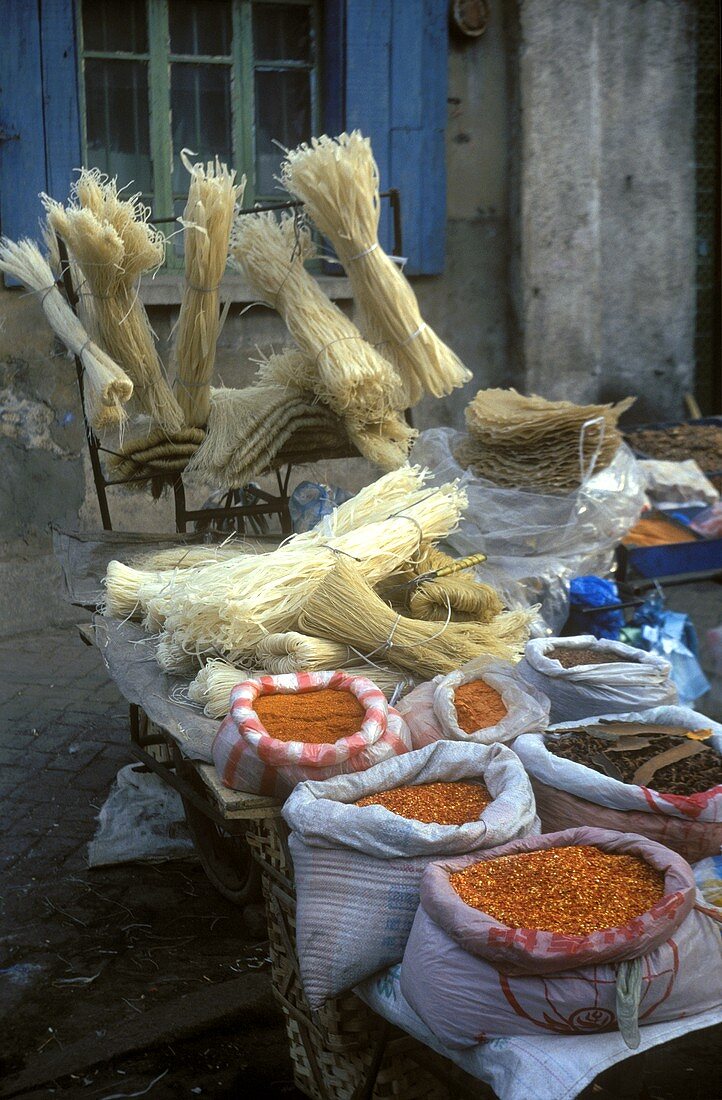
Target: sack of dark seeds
x=655, y=772
x=583, y=676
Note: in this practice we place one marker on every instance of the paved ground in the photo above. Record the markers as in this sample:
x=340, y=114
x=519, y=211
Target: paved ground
x=86, y=952
x=92, y=958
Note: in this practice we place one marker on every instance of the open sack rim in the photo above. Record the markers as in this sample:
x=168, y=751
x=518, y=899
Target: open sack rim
x=531, y=951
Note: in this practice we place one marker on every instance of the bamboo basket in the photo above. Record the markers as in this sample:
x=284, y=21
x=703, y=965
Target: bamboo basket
x=343, y=1051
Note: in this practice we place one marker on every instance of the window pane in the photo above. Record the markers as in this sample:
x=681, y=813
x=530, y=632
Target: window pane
x=200, y=27
x=201, y=115
x=109, y=25
x=116, y=96
x=283, y=113
x=282, y=32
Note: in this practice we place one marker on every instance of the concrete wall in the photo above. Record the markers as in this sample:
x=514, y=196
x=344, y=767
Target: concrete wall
x=607, y=184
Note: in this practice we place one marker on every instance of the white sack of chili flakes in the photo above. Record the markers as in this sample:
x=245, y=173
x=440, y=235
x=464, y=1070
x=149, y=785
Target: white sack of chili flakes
x=571, y=794
x=358, y=868
x=471, y=978
x=248, y=759
x=636, y=679
x=430, y=712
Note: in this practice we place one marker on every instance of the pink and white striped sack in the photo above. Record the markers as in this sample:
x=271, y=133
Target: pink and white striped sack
x=249, y=759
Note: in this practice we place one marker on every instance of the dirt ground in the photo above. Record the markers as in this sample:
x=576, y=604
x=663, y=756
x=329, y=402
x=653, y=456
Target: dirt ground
x=139, y=979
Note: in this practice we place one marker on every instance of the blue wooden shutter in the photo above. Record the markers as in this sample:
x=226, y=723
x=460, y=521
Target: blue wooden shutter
x=39, y=121
x=22, y=148
x=60, y=95
x=395, y=91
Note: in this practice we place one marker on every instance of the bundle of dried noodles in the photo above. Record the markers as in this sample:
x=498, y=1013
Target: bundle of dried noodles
x=457, y=597
x=229, y=607
x=250, y=431
x=382, y=498
x=112, y=243
x=352, y=378
x=338, y=180
x=207, y=221
x=345, y=608
x=106, y=388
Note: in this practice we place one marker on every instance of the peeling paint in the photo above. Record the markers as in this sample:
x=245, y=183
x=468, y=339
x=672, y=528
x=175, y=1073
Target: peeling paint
x=27, y=423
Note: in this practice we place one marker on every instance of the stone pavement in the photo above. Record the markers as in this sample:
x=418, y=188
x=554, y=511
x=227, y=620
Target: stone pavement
x=87, y=956
x=85, y=952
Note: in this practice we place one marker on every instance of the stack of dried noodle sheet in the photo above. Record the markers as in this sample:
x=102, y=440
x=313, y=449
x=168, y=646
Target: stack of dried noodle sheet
x=538, y=445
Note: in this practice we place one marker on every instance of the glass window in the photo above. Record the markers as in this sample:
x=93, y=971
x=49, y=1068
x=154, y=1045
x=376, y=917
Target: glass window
x=117, y=131
x=226, y=77
x=200, y=28
x=110, y=26
x=282, y=32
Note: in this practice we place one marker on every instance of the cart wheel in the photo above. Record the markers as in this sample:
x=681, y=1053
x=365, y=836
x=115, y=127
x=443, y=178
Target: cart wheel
x=226, y=859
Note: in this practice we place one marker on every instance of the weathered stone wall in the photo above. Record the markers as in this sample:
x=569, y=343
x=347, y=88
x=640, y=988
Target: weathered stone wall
x=607, y=187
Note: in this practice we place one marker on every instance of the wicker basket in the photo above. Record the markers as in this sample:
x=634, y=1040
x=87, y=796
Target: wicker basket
x=343, y=1051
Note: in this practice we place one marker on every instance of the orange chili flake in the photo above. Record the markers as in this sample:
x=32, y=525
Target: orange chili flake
x=316, y=717
x=574, y=890
x=434, y=803
x=478, y=706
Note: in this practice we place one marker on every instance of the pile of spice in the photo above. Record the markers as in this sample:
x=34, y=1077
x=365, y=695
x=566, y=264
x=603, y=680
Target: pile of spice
x=702, y=442
x=640, y=759
x=478, y=706
x=656, y=530
x=434, y=803
x=574, y=890
x=316, y=717
x=571, y=658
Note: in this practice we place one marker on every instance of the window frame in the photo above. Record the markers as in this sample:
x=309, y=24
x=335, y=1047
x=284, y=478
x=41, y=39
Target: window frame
x=243, y=66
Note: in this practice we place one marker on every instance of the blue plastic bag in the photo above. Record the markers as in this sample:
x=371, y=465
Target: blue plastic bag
x=310, y=502
x=672, y=635
x=590, y=592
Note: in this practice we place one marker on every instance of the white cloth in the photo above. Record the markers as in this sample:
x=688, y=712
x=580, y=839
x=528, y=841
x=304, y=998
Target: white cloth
x=547, y=1067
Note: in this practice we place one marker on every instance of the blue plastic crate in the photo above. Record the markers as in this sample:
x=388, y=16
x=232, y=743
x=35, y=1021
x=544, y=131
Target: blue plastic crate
x=701, y=556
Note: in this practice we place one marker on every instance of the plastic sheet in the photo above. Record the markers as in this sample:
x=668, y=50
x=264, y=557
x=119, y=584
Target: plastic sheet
x=535, y=544
x=142, y=820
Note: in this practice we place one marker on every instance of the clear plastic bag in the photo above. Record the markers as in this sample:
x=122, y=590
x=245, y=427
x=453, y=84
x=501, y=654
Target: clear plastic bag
x=535, y=544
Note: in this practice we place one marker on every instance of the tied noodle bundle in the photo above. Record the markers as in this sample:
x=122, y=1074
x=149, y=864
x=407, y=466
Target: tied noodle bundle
x=457, y=597
x=351, y=377
x=106, y=388
x=112, y=244
x=212, y=686
x=294, y=652
x=345, y=608
x=338, y=180
x=376, y=501
x=207, y=221
x=231, y=606
x=187, y=557
x=253, y=430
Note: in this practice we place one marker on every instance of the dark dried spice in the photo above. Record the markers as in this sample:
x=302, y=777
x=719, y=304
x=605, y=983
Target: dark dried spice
x=570, y=658
x=689, y=776
x=702, y=442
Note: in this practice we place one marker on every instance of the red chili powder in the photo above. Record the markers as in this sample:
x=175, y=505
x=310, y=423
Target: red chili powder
x=478, y=706
x=316, y=717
